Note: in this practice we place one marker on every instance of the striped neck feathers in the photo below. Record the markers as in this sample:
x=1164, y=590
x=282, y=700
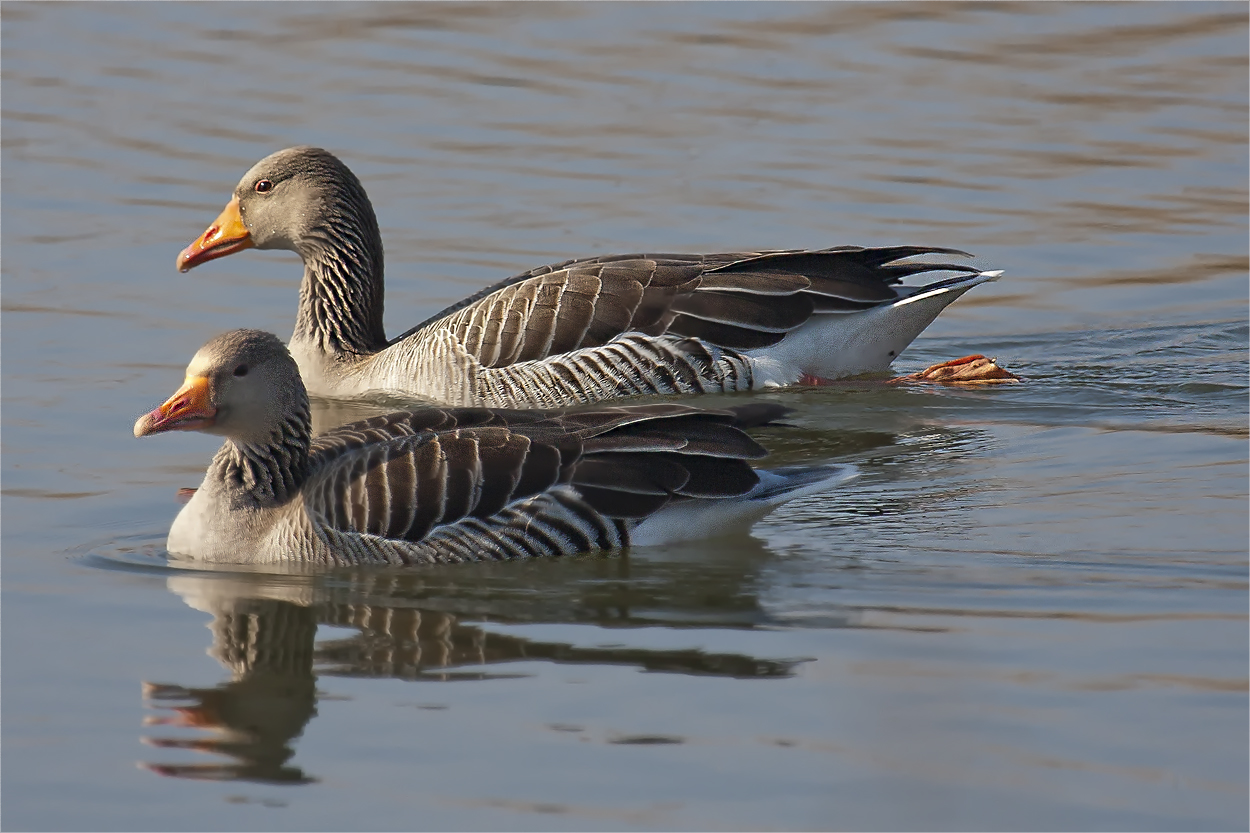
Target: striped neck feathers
x=340, y=305
x=271, y=472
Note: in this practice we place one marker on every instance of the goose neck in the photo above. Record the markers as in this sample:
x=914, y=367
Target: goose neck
x=341, y=297
x=268, y=472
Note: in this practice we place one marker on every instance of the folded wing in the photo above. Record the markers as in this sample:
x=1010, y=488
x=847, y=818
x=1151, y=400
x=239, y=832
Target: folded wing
x=406, y=476
x=737, y=300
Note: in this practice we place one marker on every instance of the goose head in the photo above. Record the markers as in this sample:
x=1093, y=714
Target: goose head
x=242, y=385
x=300, y=199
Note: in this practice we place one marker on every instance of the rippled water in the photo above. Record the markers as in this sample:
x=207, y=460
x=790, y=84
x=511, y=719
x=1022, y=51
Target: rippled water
x=1030, y=612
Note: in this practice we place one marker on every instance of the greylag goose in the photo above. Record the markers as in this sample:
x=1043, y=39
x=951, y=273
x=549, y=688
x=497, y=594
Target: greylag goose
x=450, y=485
x=581, y=331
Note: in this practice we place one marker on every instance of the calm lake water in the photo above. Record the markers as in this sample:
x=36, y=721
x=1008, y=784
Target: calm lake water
x=1029, y=613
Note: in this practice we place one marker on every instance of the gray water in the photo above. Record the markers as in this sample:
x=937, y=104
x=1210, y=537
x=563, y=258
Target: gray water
x=1030, y=612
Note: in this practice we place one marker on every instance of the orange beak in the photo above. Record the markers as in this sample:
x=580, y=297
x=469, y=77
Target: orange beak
x=225, y=236
x=187, y=410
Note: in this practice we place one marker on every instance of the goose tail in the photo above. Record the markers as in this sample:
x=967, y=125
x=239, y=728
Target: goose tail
x=833, y=345
x=701, y=519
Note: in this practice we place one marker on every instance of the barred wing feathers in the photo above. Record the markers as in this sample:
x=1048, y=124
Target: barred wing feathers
x=473, y=482
x=737, y=300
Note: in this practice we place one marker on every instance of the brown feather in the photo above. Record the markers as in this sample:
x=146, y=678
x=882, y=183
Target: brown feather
x=643, y=473
x=540, y=326
x=757, y=282
x=617, y=504
x=464, y=475
x=691, y=436
x=735, y=300
x=725, y=335
x=577, y=310
x=758, y=312
x=502, y=458
x=712, y=477
x=540, y=470
x=431, y=495
x=401, y=476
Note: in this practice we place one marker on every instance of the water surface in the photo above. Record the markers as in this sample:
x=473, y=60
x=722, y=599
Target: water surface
x=1029, y=612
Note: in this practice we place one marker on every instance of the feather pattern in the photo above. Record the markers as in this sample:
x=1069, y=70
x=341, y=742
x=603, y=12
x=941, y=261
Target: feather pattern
x=584, y=330
x=442, y=485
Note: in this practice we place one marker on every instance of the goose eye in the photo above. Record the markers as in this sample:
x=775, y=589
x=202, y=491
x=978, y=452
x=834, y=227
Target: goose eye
x=241, y=370
x=263, y=185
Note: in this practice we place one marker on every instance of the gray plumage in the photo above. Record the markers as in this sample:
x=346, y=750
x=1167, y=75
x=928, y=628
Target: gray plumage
x=581, y=331
x=446, y=485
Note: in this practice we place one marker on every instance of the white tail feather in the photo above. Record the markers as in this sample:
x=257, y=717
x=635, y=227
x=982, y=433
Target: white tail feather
x=834, y=345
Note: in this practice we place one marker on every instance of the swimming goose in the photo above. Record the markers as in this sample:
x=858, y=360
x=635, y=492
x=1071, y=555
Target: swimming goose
x=441, y=485
x=581, y=331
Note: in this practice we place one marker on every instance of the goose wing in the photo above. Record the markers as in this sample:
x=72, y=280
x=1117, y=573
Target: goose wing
x=739, y=300
x=407, y=476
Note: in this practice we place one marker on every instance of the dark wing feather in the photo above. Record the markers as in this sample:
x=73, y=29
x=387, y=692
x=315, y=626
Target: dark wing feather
x=768, y=313
x=716, y=477
x=725, y=335
x=689, y=435
x=405, y=474
x=739, y=300
x=407, y=486
x=584, y=422
x=620, y=503
x=640, y=472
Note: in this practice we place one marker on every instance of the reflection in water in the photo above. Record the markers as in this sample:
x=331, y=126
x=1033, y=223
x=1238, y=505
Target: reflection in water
x=412, y=626
x=268, y=647
x=1097, y=151
x=415, y=625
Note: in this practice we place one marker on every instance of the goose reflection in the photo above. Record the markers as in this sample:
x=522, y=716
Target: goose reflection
x=267, y=645
x=431, y=626
x=435, y=625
